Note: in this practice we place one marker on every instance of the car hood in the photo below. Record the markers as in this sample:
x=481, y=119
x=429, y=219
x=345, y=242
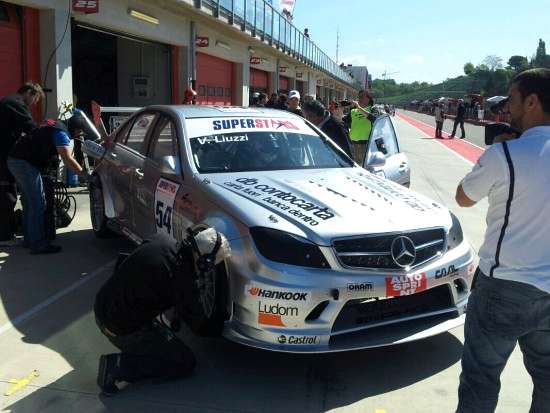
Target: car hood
x=326, y=203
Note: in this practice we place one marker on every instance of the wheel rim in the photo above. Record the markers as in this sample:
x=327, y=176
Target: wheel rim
x=207, y=291
x=97, y=208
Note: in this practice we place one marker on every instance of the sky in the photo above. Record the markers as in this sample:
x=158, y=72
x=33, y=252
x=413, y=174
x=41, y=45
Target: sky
x=424, y=40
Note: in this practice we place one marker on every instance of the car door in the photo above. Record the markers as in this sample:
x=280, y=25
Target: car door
x=383, y=139
x=156, y=192
x=127, y=159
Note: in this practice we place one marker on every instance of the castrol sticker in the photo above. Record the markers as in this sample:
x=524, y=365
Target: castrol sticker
x=399, y=285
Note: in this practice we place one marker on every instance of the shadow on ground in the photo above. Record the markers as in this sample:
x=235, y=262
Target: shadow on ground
x=229, y=377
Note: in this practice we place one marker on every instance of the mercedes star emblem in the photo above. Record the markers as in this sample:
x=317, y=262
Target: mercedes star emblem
x=403, y=251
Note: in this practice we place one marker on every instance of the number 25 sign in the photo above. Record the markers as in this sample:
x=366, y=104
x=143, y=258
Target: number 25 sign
x=86, y=6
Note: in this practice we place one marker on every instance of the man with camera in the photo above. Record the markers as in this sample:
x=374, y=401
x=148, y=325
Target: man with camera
x=510, y=300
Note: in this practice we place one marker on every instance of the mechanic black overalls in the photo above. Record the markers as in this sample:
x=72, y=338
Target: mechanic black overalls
x=152, y=279
x=15, y=119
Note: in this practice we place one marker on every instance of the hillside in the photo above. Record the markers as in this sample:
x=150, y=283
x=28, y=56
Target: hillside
x=456, y=87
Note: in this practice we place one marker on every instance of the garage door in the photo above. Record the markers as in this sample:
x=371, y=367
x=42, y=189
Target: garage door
x=214, y=78
x=258, y=80
x=10, y=50
x=283, y=84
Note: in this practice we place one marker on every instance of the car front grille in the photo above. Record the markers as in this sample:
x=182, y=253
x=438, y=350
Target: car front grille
x=374, y=311
x=374, y=252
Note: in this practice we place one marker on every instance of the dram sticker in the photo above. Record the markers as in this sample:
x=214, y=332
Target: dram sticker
x=165, y=195
x=405, y=284
x=360, y=287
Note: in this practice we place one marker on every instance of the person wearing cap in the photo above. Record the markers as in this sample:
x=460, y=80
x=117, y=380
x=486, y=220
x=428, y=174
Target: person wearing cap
x=161, y=274
x=294, y=103
x=30, y=156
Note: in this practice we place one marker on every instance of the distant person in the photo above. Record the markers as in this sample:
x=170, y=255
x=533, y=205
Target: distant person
x=294, y=103
x=190, y=97
x=439, y=119
x=272, y=102
x=361, y=120
x=317, y=114
x=262, y=100
x=459, y=120
x=306, y=32
x=15, y=120
x=282, y=102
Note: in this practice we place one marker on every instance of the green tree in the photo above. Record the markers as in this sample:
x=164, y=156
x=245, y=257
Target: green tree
x=540, y=55
x=518, y=63
x=469, y=69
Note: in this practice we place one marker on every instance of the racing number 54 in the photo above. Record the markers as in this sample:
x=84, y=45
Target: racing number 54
x=164, y=216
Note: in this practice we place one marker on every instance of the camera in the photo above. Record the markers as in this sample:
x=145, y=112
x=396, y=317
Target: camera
x=499, y=107
x=345, y=103
x=495, y=129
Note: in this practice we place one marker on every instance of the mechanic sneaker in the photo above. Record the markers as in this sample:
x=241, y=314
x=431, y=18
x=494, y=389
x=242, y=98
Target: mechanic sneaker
x=106, y=378
x=49, y=249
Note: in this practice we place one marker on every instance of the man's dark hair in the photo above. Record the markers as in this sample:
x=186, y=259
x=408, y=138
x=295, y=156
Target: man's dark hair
x=283, y=98
x=363, y=93
x=535, y=81
x=33, y=88
x=262, y=96
x=314, y=107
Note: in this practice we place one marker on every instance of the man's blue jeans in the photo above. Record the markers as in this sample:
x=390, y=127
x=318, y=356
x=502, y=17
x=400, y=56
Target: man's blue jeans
x=500, y=314
x=30, y=184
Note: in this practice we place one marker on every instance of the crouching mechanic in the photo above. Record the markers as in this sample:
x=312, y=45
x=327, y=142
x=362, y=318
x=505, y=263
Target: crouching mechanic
x=159, y=275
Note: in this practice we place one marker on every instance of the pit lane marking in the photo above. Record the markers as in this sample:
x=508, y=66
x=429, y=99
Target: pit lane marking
x=27, y=315
x=18, y=384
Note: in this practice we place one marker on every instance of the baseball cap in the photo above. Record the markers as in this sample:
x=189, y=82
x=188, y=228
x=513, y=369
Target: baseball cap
x=294, y=94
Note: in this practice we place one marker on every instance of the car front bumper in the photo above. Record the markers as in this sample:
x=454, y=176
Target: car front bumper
x=280, y=308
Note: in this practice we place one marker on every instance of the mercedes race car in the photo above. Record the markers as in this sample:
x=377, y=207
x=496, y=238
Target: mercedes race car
x=325, y=255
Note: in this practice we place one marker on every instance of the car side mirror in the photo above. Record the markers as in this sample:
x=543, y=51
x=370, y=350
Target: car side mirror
x=170, y=165
x=376, y=160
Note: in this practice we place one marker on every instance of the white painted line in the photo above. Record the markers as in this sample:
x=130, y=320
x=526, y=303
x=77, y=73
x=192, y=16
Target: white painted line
x=431, y=126
x=440, y=143
x=49, y=301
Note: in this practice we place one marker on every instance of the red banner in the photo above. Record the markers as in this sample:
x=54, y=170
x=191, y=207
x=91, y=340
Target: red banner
x=86, y=6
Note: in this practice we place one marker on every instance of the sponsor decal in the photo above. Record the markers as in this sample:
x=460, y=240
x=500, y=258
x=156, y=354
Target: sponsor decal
x=253, y=123
x=222, y=139
x=360, y=287
x=165, y=195
x=284, y=201
x=279, y=295
x=86, y=6
x=271, y=314
x=300, y=340
x=405, y=284
x=450, y=271
x=202, y=41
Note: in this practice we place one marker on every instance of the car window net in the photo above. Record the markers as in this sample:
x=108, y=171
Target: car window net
x=265, y=151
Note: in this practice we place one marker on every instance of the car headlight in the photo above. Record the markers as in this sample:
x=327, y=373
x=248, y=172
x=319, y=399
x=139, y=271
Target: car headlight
x=455, y=237
x=287, y=248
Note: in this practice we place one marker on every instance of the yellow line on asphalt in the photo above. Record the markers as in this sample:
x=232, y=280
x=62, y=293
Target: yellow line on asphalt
x=380, y=411
x=18, y=384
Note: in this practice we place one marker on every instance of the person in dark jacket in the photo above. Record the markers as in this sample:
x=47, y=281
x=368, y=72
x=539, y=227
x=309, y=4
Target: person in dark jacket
x=15, y=120
x=159, y=275
x=317, y=114
x=272, y=102
x=294, y=103
x=282, y=102
x=459, y=120
x=29, y=157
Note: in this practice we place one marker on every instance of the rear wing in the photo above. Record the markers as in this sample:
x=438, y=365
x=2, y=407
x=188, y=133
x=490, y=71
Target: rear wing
x=111, y=116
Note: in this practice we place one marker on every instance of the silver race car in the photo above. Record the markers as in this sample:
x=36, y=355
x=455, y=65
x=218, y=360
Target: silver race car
x=325, y=256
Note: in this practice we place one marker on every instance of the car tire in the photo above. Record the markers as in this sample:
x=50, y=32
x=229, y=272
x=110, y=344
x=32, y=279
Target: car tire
x=209, y=304
x=97, y=210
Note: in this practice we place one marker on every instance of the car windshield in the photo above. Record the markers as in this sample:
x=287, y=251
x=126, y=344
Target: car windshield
x=265, y=151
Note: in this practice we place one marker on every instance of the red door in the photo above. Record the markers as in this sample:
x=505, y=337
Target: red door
x=214, y=79
x=258, y=80
x=283, y=84
x=11, y=66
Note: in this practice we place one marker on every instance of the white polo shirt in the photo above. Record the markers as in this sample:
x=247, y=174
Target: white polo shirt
x=517, y=241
